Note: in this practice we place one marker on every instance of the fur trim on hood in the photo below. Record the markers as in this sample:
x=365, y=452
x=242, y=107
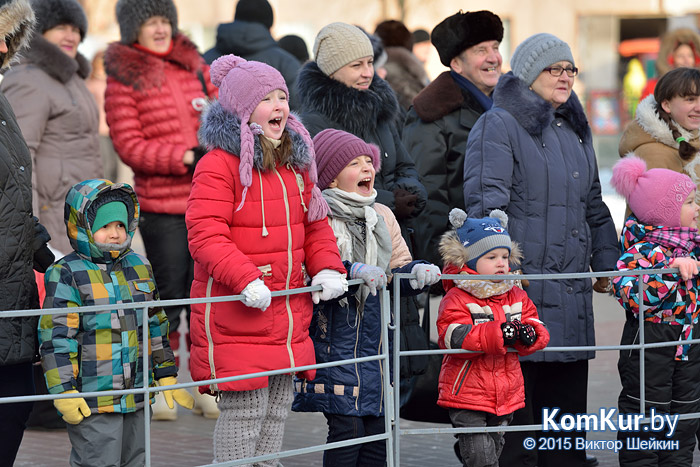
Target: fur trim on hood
x=357, y=112
x=534, y=113
x=670, y=41
x=221, y=129
x=454, y=253
x=54, y=61
x=142, y=70
x=16, y=21
x=648, y=119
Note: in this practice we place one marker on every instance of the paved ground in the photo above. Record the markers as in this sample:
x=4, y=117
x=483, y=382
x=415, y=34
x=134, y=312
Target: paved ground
x=187, y=441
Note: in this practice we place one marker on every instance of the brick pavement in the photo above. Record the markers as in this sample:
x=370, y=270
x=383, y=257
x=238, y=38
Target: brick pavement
x=187, y=442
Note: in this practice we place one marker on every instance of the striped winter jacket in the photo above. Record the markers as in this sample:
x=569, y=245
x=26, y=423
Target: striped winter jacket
x=101, y=351
x=669, y=299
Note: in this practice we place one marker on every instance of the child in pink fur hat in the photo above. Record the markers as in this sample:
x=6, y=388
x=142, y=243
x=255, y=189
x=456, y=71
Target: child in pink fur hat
x=256, y=224
x=661, y=233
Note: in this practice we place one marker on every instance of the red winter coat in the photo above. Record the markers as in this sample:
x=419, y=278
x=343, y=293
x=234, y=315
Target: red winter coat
x=482, y=381
x=153, y=107
x=232, y=248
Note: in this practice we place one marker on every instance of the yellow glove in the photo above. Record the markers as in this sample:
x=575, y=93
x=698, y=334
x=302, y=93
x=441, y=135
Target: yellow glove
x=73, y=410
x=181, y=396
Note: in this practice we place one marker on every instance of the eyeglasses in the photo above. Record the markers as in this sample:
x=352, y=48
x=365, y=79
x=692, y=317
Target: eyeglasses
x=556, y=71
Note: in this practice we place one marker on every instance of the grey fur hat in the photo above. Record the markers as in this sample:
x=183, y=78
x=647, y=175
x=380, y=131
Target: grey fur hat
x=131, y=14
x=16, y=25
x=51, y=13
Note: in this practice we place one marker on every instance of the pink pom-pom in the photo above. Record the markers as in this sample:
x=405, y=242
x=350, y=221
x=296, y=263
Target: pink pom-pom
x=221, y=66
x=626, y=173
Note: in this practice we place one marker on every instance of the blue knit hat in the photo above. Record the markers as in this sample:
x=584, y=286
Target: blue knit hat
x=479, y=236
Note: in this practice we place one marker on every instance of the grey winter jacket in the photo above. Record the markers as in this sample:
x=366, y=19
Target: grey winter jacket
x=60, y=122
x=435, y=135
x=253, y=41
x=538, y=165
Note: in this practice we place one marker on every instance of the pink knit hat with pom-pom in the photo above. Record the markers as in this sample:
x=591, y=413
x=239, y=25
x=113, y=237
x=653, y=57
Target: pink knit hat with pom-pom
x=242, y=86
x=655, y=196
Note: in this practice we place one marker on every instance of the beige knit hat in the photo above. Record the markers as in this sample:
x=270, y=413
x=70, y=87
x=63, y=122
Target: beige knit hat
x=338, y=44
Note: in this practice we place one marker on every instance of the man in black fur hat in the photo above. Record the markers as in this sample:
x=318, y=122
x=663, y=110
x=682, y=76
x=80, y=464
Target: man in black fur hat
x=437, y=125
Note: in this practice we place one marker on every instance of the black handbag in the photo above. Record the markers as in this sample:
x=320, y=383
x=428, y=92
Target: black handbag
x=421, y=405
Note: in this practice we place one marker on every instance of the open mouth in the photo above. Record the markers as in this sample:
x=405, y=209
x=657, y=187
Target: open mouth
x=275, y=123
x=490, y=69
x=365, y=185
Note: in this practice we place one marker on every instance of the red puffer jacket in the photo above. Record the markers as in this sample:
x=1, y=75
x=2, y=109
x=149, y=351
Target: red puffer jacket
x=269, y=238
x=153, y=106
x=483, y=381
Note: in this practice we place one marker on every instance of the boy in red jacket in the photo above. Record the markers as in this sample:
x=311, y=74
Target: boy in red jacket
x=486, y=316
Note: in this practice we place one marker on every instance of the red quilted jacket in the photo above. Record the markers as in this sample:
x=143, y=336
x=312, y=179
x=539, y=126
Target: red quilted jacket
x=482, y=381
x=153, y=107
x=232, y=248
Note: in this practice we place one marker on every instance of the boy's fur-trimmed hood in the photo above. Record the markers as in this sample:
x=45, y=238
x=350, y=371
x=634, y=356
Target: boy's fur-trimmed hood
x=16, y=22
x=357, y=112
x=222, y=129
x=534, y=113
x=454, y=253
x=142, y=70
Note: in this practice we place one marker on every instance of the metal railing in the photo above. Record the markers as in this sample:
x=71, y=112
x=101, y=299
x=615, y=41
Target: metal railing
x=393, y=430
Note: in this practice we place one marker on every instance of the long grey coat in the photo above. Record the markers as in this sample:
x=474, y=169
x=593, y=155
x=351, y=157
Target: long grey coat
x=538, y=165
x=59, y=120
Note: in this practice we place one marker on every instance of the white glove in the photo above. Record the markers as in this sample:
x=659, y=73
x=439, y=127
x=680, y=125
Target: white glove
x=426, y=274
x=257, y=295
x=333, y=283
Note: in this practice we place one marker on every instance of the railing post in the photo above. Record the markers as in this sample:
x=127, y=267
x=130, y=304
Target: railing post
x=396, y=433
x=385, y=302
x=146, y=395
x=642, y=373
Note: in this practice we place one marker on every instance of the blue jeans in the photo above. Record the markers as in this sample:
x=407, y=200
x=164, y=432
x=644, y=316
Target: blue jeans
x=345, y=427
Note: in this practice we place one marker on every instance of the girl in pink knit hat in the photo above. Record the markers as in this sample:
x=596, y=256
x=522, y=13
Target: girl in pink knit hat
x=257, y=224
x=660, y=233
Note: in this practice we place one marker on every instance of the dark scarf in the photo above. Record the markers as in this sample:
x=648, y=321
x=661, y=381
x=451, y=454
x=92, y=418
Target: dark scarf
x=485, y=101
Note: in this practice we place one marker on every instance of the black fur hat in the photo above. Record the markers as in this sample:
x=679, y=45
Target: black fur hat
x=131, y=14
x=254, y=11
x=51, y=13
x=460, y=31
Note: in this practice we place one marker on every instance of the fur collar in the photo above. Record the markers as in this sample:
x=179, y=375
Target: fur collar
x=16, y=23
x=142, y=70
x=54, y=61
x=649, y=120
x=408, y=62
x=534, y=113
x=356, y=111
x=441, y=97
x=222, y=129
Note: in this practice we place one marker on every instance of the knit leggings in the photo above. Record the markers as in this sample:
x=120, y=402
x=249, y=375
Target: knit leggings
x=251, y=423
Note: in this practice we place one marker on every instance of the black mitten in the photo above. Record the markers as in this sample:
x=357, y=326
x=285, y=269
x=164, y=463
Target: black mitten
x=528, y=336
x=404, y=202
x=511, y=332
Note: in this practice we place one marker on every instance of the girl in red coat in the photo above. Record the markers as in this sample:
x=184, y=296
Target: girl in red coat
x=256, y=224
x=485, y=316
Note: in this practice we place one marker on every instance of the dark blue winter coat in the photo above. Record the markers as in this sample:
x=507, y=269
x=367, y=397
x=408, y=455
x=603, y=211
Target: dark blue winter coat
x=538, y=165
x=340, y=332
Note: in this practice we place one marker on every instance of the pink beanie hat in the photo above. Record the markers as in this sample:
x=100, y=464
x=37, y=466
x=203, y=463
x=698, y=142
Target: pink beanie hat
x=655, y=196
x=242, y=86
x=335, y=149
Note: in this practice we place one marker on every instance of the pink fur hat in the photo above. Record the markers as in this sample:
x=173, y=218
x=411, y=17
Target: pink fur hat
x=242, y=86
x=655, y=196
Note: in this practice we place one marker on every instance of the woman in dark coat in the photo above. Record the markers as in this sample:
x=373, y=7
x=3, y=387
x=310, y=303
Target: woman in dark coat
x=531, y=156
x=340, y=90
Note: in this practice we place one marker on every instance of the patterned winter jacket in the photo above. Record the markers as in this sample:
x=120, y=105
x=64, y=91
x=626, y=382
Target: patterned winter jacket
x=669, y=299
x=101, y=351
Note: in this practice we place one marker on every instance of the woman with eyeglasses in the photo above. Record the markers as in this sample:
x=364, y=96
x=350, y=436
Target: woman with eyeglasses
x=532, y=156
